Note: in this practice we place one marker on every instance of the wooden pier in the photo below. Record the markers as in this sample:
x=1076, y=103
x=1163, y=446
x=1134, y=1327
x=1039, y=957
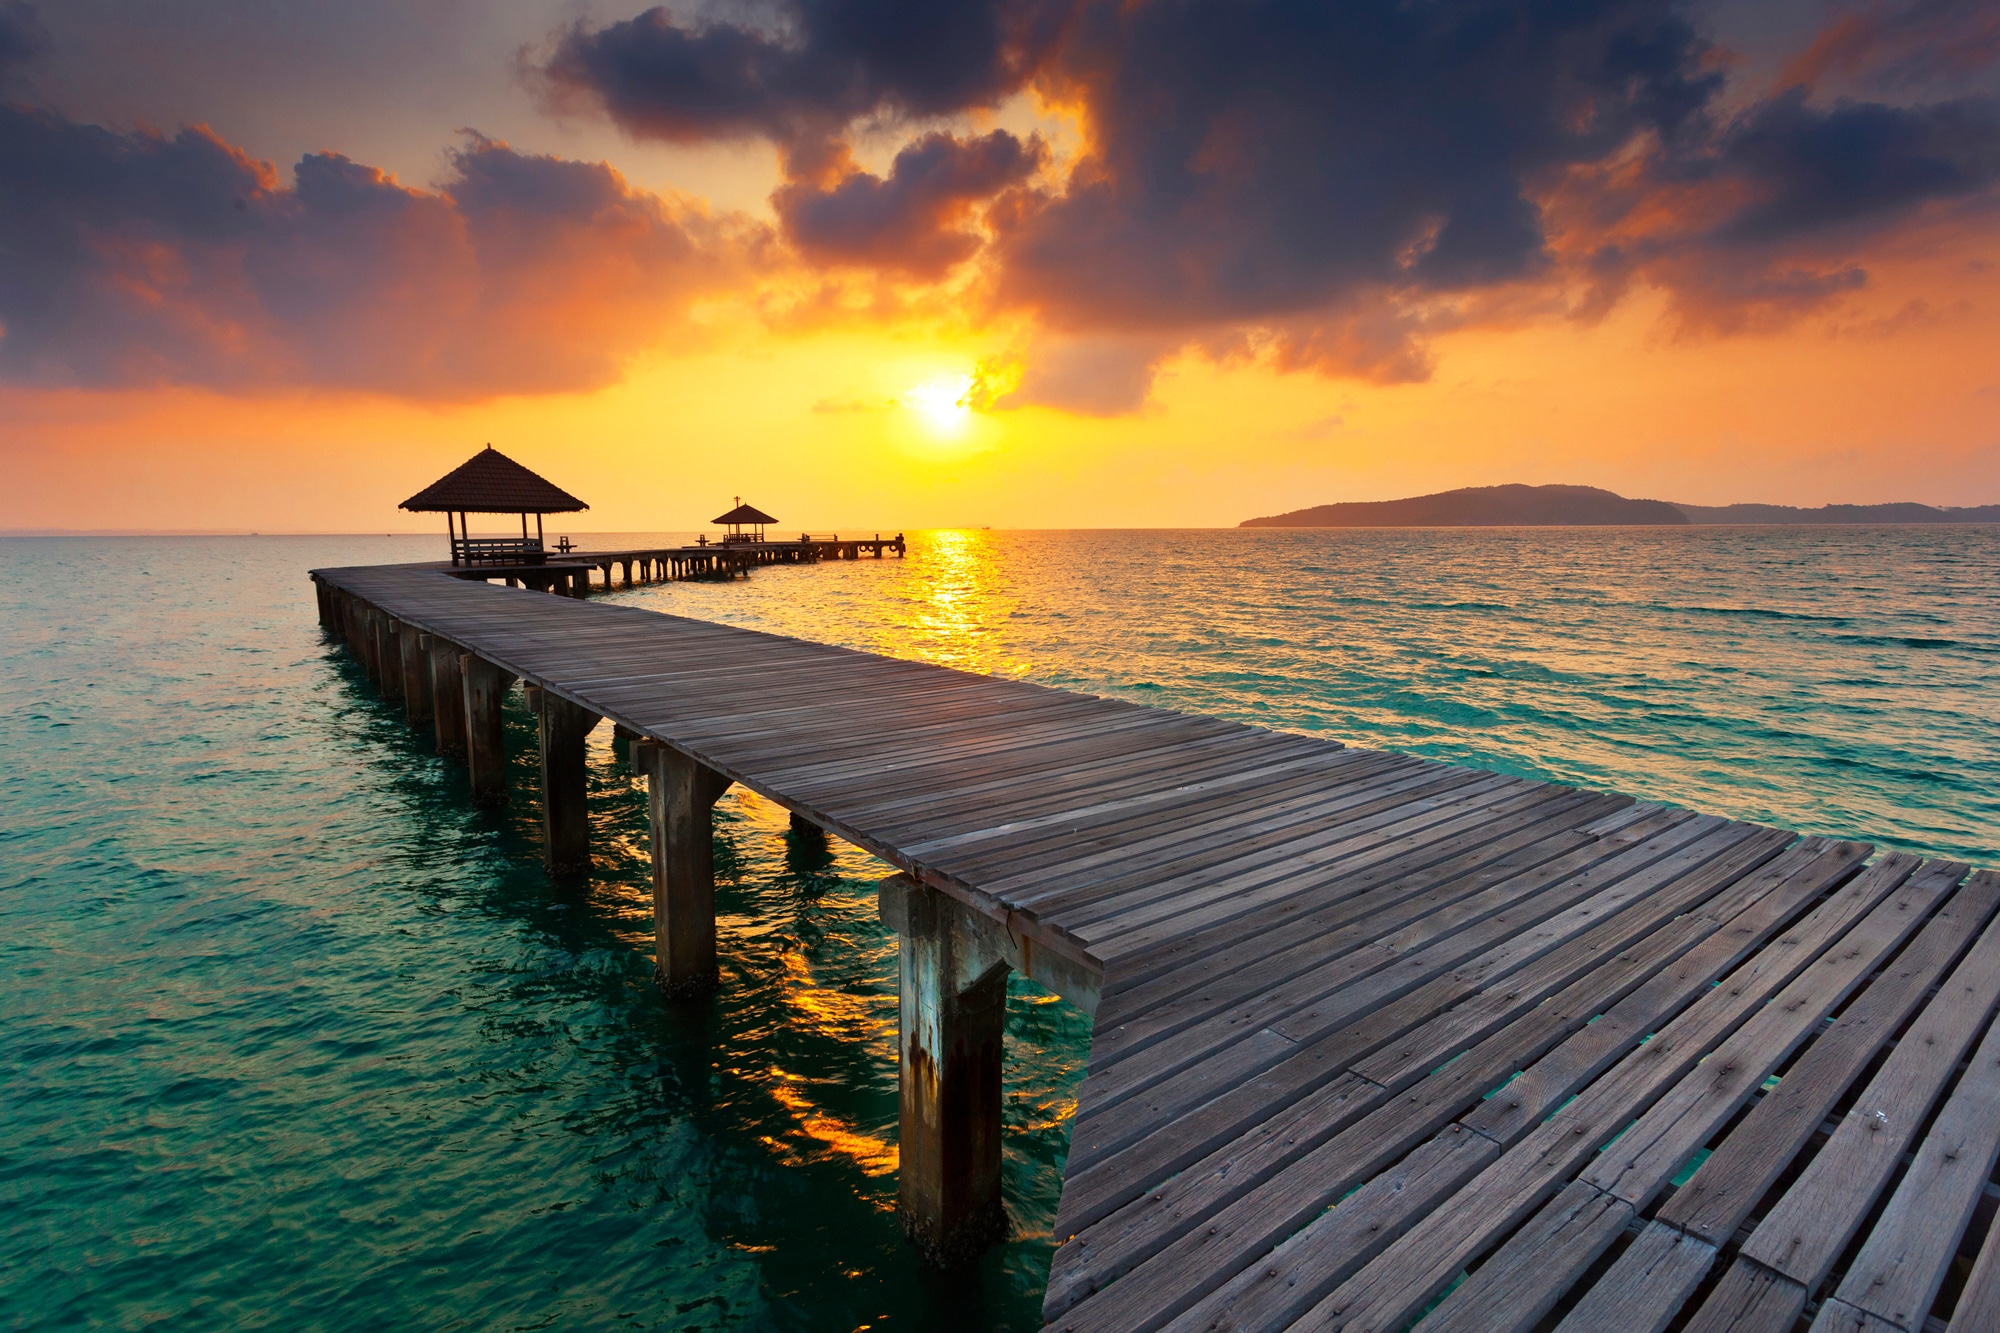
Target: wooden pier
x=576, y=573
x=1378, y=1042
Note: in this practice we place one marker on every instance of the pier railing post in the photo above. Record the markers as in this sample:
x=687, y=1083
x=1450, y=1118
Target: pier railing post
x=485, y=685
x=952, y=1011
x=565, y=821
x=415, y=667
x=448, y=697
x=680, y=803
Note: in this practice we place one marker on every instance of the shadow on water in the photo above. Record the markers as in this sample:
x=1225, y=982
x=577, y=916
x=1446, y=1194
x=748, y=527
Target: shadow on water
x=785, y=1078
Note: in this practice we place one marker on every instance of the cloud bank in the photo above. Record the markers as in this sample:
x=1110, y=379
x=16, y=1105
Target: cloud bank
x=1333, y=177
x=1322, y=187
x=135, y=257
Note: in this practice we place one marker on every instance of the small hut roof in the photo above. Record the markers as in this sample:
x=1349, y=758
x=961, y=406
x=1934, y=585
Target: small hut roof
x=491, y=483
x=744, y=514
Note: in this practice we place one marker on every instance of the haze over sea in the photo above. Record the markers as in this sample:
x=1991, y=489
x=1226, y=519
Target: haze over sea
x=291, y=1036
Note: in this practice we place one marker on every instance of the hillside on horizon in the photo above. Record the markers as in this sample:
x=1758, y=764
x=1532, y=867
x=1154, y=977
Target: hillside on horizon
x=1518, y=505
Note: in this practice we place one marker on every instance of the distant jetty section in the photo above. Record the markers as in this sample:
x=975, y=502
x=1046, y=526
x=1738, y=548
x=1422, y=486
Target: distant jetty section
x=1558, y=506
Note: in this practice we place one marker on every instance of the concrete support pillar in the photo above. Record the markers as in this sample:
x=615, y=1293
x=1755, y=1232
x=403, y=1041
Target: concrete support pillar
x=565, y=821
x=448, y=696
x=805, y=828
x=681, y=796
x=952, y=990
x=415, y=666
x=484, y=686
x=621, y=744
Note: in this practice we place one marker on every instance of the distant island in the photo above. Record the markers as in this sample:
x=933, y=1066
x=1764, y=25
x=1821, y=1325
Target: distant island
x=1557, y=506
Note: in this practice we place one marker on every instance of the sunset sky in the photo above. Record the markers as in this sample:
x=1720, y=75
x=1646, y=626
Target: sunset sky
x=1042, y=263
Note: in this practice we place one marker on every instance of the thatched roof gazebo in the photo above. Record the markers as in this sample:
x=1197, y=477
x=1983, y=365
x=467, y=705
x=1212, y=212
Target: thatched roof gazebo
x=741, y=517
x=491, y=483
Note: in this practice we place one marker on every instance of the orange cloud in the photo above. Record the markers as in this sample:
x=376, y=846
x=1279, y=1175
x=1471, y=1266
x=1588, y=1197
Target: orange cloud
x=142, y=258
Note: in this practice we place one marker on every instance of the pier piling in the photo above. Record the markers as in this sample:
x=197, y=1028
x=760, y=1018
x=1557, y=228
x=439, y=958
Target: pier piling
x=369, y=641
x=952, y=1012
x=415, y=666
x=485, y=685
x=447, y=695
x=681, y=796
x=565, y=821
x=388, y=659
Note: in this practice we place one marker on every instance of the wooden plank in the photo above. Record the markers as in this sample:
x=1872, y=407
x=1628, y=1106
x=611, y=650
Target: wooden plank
x=1070, y=868
x=1656, y=1272
x=1109, y=868
x=1317, y=1258
x=1264, y=1296
x=1187, y=947
x=1903, y=1261
x=1808, y=1229
x=1978, y=1308
x=1750, y=1298
x=1511, y=1291
x=1451, y=870
x=1309, y=1008
x=1649, y=1153
x=1836, y=1316
x=1139, y=1017
x=1256, y=1219
x=1426, y=1258
x=1303, y=882
x=1718, y=1198
x=1382, y=993
x=1389, y=834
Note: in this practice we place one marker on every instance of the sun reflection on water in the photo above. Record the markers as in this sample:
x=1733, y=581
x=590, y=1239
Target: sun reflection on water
x=959, y=605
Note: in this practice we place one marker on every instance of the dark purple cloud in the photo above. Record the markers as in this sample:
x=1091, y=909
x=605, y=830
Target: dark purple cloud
x=136, y=257
x=1316, y=169
x=22, y=40
x=1901, y=46
x=1808, y=168
x=813, y=68
x=1265, y=158
x=913, y=221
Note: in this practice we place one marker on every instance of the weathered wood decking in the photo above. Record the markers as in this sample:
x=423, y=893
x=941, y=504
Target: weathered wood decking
x=1372, y=1031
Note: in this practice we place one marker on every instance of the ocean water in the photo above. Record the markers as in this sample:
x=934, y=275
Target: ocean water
x=292, y=1037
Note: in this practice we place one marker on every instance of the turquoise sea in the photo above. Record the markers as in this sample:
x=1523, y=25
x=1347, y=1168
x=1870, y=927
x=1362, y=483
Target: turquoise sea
x=291, y=1037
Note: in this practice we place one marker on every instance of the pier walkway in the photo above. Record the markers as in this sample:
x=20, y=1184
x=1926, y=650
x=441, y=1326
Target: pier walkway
x=1378, y=1041
x=571, y=572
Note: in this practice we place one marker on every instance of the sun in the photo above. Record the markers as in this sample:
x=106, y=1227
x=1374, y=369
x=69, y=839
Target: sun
x=942, y=404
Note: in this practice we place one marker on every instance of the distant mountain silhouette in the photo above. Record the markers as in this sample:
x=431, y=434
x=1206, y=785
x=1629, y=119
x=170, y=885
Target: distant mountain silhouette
x=1557, y=506
x=1482, y=506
